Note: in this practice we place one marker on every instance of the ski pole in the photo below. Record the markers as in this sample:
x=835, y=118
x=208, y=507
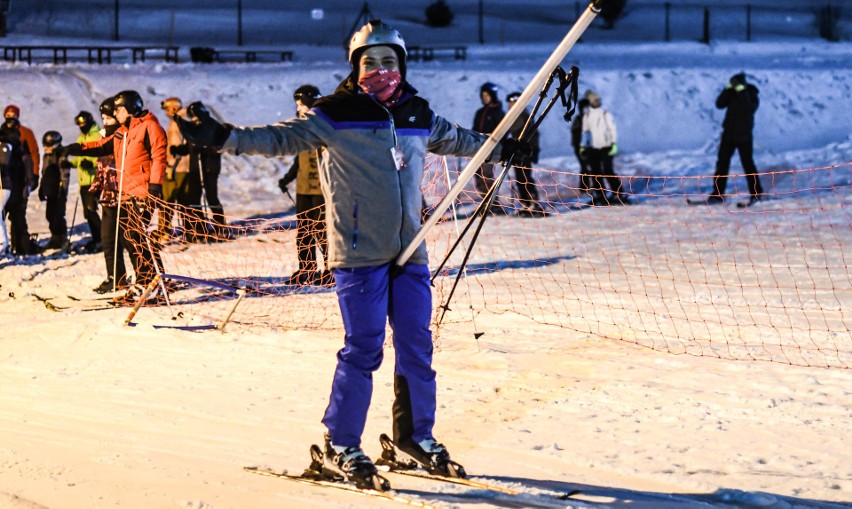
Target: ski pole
x=73, y=220
x=118, y=209
x=502, y=128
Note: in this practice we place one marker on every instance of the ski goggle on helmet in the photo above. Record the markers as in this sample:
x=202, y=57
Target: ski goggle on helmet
x=83, y=119
x=376, y=33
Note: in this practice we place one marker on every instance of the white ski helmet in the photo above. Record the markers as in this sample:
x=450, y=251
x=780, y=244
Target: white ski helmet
x=376, y=33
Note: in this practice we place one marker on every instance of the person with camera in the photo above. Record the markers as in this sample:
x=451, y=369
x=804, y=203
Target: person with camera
x=139, y=148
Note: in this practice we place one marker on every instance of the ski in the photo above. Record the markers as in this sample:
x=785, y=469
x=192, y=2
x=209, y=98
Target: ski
x=339, y=485
x=317, y=475
x=395, y=461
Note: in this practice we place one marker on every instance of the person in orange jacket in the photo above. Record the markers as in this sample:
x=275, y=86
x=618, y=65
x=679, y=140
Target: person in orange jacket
x=139, y=147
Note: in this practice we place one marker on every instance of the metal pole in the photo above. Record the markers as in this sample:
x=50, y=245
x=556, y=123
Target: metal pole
x=748, y=22
x=116, y=21
x=668, y=36
x=239, y=22
x=481, y=21
x=706, y=37
x=502, y=128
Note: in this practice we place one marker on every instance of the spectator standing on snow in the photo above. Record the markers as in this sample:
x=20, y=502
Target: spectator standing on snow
x=24, y=167
x=485, y=121
x=600, y=146
x=55, y=178
x=175, y=181
x=139, y=148
x=105, y=187
x=527, y=190
x=740, y=100
x=21, y=180
x=576, y=143
x=374, y=131
x=86, y=170
x=310, y=204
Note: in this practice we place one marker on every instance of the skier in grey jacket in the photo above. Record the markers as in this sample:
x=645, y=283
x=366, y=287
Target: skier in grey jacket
x=374, y=132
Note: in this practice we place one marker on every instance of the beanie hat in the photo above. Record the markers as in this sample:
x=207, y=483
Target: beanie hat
x=12, y=111
x=489, y=88
x=591, y=96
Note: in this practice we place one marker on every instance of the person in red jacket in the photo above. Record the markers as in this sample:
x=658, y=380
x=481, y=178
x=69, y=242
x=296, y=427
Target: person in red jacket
x=139, y=147
x=27, y=161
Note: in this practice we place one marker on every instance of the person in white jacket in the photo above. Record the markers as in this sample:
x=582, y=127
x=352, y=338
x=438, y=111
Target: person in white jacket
x=599, y=147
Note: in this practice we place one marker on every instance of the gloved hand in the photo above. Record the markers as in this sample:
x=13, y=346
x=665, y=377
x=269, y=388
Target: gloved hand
x=73, y=149
x=31, y=180
x=65, y=164
x=518, y=149
x=584, y=153
x=202, y=130
x=87, y=164
x=282, y=184
x=155, y=191
x=41, y=195
x=179, y=150
x=613, y=149
x=739, y=88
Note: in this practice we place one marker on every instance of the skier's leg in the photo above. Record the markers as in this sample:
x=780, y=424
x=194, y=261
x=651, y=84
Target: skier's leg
x=746, y=149
x=362, y=294
x=90, y=212
x=723, y=165
x=410, y=312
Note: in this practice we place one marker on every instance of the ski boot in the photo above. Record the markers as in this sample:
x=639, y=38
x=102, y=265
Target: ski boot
x=428, y=453
x=352, y=464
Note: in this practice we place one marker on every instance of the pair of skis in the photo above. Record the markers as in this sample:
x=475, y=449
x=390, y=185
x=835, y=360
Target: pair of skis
x=392, y=461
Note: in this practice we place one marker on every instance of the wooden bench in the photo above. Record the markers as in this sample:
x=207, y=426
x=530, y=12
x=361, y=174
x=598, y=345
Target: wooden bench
x=427, y=53
x=93, y=54
x=251, y=55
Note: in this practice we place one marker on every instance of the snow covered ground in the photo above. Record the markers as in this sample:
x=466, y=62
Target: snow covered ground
x=96, y=414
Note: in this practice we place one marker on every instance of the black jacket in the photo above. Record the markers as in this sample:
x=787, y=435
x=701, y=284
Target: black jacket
x=487, y=118
x=739, y=119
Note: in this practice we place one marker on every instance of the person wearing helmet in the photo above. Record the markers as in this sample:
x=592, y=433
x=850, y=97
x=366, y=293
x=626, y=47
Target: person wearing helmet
x=20, y=180
x=527, y=190
x=310, y=205
x=485, y=121
x=86, y=170
x=56, y=176
x=105, y=186
x=139, y=148
x=374, y=131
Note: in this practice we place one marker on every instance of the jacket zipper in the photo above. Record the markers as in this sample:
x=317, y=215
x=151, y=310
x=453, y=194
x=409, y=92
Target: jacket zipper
x=398, y=178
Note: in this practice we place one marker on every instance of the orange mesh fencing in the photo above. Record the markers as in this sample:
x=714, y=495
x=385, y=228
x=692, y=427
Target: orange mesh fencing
x=770, y=281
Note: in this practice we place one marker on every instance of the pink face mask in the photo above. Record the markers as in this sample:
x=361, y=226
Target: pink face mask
x=381, y=83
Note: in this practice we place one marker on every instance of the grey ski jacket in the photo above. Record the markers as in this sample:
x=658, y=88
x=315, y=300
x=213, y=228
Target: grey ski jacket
x=373, y=209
